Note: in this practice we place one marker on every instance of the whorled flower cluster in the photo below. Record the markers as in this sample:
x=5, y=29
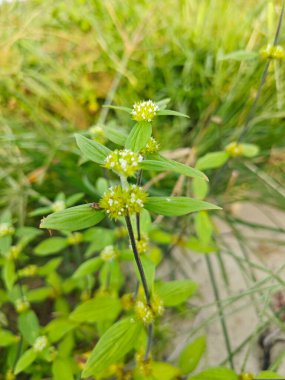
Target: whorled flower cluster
x=108, y=254
x=234, y=149
x=142, y=244
x=144, y=111
x=273, y=51
x=151, y=147
x=6, y=229
x=120, y=202
x=40, y=343
x=123, y=162
x=144, y=313
x=58, y=206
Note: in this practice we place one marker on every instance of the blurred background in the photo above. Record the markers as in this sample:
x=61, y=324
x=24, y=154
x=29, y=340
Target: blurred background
x=61, y=61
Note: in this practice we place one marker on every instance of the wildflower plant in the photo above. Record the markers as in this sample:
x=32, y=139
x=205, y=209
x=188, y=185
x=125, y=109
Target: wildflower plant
x=125, y=202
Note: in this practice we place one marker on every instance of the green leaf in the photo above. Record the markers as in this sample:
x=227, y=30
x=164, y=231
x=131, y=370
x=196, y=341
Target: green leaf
x=74, y=199
x=176, y=206
x=126, y=109
x=116, y=134
x=57, y=328
x=92, y=150
x=111, y=275
x=7, y=338
x=117, y=341
x=268, y=375
x=212, y=160
x=25, y=361
x=28, y=325
x=9, y=274
x=176, y=292
x=50, y=246
x=171, y=113
x=73, y=218
x=88, y=267
x=203, y=227
x=200, y=188
x=160, y=163
x=191, y=355
x=249, y=150
x=39, y=294
x=218, y=373
x=98, y=309
x=198, y=246
x=139, y=136
x=164, y=371
x=99, y=238
x=239, y=55
x=62, y=369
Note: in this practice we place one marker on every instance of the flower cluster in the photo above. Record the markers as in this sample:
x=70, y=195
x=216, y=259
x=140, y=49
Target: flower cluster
x=40, y=343
x=234, y=149
x=124, y=162
x=22, y=305
x=144, y=313
x=142, y=245
x=75, y=238
x=108, y=254
x=144, y=366
x=28, y=271
x=157, y=306
x=273, y=51
x=144, y=111
x=120, y=202
x=58, y=206
x=151, y=147
x=97, y=133
x=6, y=229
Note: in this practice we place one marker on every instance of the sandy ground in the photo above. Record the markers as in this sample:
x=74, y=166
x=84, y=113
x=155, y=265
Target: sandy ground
x=249, y=312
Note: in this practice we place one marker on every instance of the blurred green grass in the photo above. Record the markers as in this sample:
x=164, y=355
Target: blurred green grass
x=60, y=61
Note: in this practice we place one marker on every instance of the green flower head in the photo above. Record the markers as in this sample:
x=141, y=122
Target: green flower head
x=151, y=147
x=144, y=111
x=123, y=162
x=120, y=202
x=272, y=51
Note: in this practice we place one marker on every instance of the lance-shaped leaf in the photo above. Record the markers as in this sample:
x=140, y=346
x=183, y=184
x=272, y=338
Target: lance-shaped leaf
x=97, y=310
x=176, y=292
x=212, y=160
x=25, y=360
x=171, y=113
x=51, y=246
x=117, y=341
x=177, y=206
x=159, y=163
x=190, y=356
x=92, y=150
x=73, y=218
x=139, y=136
x=217, y=373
